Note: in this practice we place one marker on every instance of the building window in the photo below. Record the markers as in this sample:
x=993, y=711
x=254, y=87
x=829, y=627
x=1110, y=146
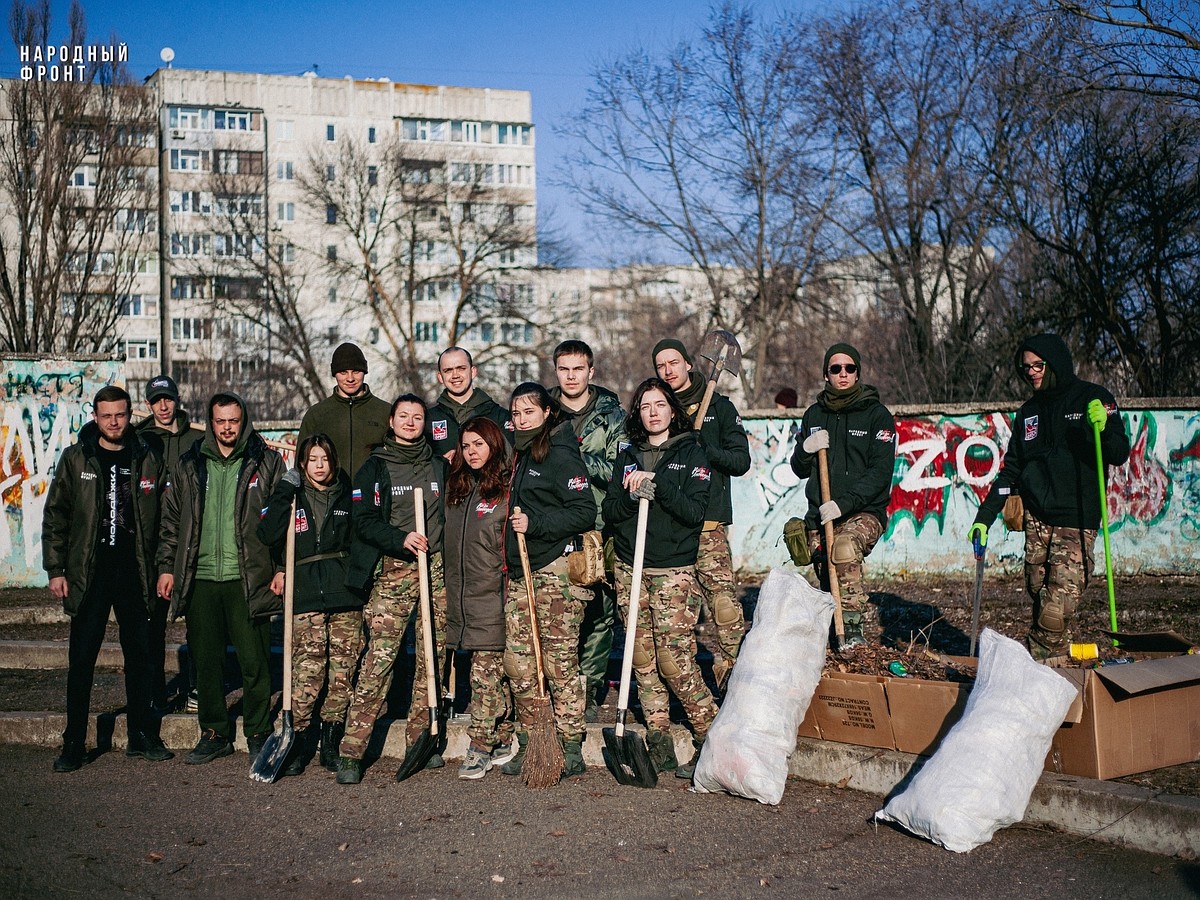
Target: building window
x=141, y=349
x=427, y=332
x=467, y=132
x=191, y=202
x=513, y=134
x=191, y=329
x=330, y=133
x=330, y=173
x=372, y=215
x=233, y=120
x=371, y=134
x=238, y=162
x=289, y=252
x=231, y=205
x=136, y=305
x=519, y=372
x=189, y=288
x=84, y=177
x=487, y=332
x=285, y=212
x=287, y=129
x=229, y=245
x=189, y=160
x=285, y=170
x=330, y=214
x=423, y=130
x=372, y=175
x=190, y=244
x=188, y=118
x=331, y=252
x=137, y=220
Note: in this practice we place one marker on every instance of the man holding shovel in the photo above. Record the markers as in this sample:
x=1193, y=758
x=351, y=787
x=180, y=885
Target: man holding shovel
x=857, y=433
x=728, y=450
x=1051, y=462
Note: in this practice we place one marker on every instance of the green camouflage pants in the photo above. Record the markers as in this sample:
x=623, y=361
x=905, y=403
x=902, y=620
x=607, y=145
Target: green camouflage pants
x=325, y=651
x=491, y=708
x=1058, y=562
x=394, y=597
x=665, y=646
x=853, y=539
x=596, y=634
x=718, y=592
x=559, y=608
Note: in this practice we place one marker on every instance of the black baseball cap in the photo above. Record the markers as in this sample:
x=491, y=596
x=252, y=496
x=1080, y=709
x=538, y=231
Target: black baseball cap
x=161, y=386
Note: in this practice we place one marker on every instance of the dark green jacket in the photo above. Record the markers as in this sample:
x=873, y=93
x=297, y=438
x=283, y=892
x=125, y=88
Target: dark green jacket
x=598, y=426
x=259, y=473
x=73, y=511
x=556, y=494
x=354, y=424
x=682, y=481
x=174, y=445
x=473, y=557
x=444, y=420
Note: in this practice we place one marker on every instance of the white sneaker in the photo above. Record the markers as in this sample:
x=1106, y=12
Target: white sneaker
x=475, y=765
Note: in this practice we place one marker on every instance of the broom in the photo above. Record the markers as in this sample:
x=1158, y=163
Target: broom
x=543, y=754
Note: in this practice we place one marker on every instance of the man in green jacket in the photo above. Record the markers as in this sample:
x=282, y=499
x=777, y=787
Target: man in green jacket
x=217, y=572
x=597, y=417
x=354, y=418
x=459, y=401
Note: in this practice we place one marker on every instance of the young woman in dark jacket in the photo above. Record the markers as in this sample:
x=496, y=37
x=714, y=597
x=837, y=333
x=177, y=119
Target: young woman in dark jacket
x=327, y=620
x=385, y=528
x=550, y=487
x=666, y=465
x=476, y=513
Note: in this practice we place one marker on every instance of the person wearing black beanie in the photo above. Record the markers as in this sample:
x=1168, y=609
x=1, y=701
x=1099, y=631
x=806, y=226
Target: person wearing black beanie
x=858, y=434
x=354, y=418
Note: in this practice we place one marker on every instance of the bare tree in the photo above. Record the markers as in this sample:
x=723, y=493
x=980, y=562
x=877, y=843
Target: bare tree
x=77, y=195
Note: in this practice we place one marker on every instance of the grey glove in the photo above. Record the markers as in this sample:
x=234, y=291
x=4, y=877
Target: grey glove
x=818, y=440
x=645, y=490
x=292, y=477
x=830, y=511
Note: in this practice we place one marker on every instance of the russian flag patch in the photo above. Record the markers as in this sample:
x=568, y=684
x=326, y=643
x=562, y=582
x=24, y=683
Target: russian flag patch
x=356, y=495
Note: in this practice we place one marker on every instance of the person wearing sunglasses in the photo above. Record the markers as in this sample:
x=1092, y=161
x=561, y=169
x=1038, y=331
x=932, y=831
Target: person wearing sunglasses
x=1051, y=463
x=858, y=434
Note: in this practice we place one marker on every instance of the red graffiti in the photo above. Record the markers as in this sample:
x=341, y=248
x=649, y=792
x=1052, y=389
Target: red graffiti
x=1138, y=490
x=1191, y=451
x=928, y=449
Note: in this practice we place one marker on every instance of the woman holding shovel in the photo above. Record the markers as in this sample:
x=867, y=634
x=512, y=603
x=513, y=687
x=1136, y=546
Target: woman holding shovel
x=551, y=502
x=385, y=524
x=667, y=466
x=327, y=624
x=476, y=513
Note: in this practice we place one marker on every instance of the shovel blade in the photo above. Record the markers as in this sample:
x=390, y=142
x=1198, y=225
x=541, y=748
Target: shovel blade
x=722, y=349
x=269, y=762
x=417, y=755
x=628, y=759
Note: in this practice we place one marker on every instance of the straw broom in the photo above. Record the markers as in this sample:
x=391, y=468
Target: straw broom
x=544, y=761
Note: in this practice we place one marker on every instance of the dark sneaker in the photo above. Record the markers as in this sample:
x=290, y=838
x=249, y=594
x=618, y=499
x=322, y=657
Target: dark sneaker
x=475, y=765
x=513, y=766
x=255, y=742
x=211, y=746
x=592, y=713
x=661, y=747
x=435, y=761
x=148, y=746
x=349, y=770
x=688, y=769
x=502, y=753
x=71, y=758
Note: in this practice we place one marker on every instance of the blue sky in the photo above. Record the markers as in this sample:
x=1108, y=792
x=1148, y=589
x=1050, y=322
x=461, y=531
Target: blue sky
x=548, y=47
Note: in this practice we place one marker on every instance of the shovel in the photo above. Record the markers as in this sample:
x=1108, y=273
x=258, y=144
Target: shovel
x=1108, y=573
x=839, y=627
x=979, y=551
x=625, y=753
x=269, y=762
x=418, y=754
x=721, y=349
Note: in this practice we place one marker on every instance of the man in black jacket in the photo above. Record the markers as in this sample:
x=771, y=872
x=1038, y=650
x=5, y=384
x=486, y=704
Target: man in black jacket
x=1051, y=463
x=859, y=435
x=460, y=400
x=99, y=529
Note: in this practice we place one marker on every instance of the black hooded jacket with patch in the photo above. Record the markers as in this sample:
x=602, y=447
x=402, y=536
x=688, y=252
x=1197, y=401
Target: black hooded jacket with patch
x=1051, y=456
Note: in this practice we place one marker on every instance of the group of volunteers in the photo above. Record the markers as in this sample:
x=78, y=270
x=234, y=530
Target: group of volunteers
x=159, y=521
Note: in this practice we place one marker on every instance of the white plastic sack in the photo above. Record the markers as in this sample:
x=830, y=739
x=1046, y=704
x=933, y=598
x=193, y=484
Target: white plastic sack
x=776, y=675
x=979, y=780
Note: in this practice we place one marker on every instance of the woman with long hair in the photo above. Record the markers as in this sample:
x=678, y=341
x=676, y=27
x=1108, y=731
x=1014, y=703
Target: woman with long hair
x=385, y=524
x=327, y=618
x=476, y=514
x=666, y=465
x=550, y=487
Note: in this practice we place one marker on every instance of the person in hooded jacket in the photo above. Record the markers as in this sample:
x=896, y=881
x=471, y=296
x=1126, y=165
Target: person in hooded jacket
x=384, y=515
x=666, y=465
x=327, y=618
x=1051, y=463
x=859, y=435
x=476, y=514
x=551, y=490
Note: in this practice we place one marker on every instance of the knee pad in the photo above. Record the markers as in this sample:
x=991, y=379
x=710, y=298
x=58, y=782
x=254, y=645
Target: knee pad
x=667, y=667
x=511, y=669
x=642, y=657
x=726, y=610
x=1051, y=614
x=844, y=550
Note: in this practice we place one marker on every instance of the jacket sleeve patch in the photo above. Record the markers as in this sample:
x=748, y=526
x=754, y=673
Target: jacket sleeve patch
x=441, y=431
x=885, y=435
x=356, y=495
x=578, y=483
x=301, y=521
x=702, y=473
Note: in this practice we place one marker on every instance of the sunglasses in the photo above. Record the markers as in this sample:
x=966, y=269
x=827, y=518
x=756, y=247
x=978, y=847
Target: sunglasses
x=1038, y=366
x=836, y=369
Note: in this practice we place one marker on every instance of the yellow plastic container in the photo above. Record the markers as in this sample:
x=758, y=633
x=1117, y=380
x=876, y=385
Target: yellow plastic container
x=1084, y=651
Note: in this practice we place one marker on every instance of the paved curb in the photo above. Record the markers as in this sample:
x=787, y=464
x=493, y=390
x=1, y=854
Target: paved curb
x=40, y=614
x=53, y=655
x=1102, y=810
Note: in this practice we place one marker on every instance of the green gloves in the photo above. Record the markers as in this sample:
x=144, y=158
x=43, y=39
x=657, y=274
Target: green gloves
x=978, y=529
x=1097, y=414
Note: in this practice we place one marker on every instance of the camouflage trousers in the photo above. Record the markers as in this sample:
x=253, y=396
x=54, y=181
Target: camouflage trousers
x=853, y=540
x=665, y=645
x=394, y=598
x=491, y=707
x=1058, y=562
x=325, y=651
x=718, y=593
x=559, y=606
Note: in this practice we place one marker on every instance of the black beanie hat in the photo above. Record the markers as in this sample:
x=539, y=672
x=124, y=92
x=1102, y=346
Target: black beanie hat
x=669, y=344
x=849, y=350
x=348, y=356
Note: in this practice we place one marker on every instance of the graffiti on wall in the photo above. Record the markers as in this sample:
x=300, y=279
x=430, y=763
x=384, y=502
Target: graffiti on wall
x=944, y=467
x=44, y=404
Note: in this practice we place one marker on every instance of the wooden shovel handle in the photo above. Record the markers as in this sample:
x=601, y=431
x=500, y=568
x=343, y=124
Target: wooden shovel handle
x=289, y=604
x=635, y=595
x=426, y=613
x=534, y=631
x=839, y=627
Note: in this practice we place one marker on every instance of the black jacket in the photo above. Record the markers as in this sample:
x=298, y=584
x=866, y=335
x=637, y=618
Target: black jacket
x=72, y=515
x=444, y=420
x=1051, y=456
x=862, y=457
x=682, y=481
x=321, y=583
x=724, y=441
x=371, y=505
x=557, y=497
x=473, y=556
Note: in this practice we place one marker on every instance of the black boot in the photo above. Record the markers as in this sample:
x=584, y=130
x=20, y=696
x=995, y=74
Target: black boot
x=688, y=769
x=71, y=758
x=331, y=737
x=302, y=751
x=661, y=747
